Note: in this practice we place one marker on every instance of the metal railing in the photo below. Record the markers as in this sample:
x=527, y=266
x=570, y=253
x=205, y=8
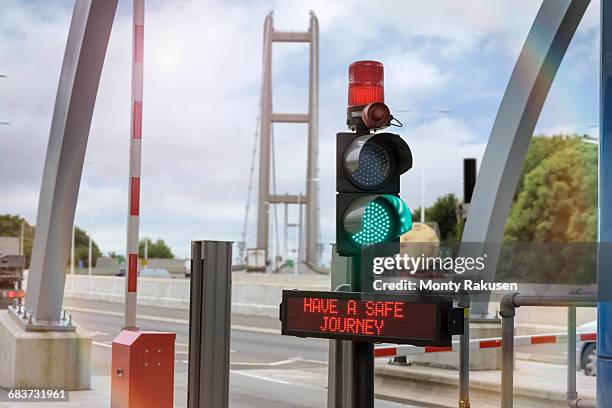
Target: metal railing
x=508, y=306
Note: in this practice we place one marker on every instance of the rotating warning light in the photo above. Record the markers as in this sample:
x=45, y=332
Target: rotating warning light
x=366, y=97
x=366, y=83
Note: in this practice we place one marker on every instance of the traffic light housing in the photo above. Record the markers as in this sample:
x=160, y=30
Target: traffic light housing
x=369, y=165
x=368, y=208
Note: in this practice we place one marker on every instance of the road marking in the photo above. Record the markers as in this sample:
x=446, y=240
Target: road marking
x=238, y=327
x=272, y=364
x=256, y=364
x=97, y=333
x=307, y=360
x=260, y=377
x=101, y=344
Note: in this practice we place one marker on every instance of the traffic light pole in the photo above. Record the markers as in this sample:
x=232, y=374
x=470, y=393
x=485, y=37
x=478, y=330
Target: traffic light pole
x=362, y=384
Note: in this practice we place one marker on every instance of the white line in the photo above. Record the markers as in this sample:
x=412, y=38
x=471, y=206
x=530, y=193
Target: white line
x=260, y=377
x=238, y=327
x=100, y=344
x=272, y=364
x=307, y=360
x=97, y=333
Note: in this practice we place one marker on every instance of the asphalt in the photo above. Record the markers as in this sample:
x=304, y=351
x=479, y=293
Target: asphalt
x=267, y=369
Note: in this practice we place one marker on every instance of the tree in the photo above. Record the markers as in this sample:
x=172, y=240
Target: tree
x=444, y=213
x=10, y=226
x=554, y=215
x=120, y=258
x=157, y=249
x=81, y=248
x=556, y=200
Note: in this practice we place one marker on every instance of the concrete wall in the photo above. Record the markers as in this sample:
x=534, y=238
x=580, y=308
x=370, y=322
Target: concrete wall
x=256, y=295
x=260, y=294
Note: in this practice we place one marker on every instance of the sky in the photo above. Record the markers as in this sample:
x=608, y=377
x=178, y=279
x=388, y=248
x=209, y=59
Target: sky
x=201, y=94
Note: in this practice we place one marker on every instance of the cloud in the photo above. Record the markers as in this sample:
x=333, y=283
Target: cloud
x=201, y=97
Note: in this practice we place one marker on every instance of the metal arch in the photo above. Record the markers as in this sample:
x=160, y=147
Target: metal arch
x=541, y=55
x=86, y=46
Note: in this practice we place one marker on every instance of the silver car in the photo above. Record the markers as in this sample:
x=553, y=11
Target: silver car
x=586, y=351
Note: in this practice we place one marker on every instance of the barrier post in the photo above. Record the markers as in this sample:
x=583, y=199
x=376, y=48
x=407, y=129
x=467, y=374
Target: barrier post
x=209, y=324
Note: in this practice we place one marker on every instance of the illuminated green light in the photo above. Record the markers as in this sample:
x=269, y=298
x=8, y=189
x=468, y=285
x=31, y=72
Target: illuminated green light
x=376, y=225
x=385, y=218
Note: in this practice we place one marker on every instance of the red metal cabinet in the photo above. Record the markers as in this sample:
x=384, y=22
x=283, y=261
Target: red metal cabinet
x=143, y=370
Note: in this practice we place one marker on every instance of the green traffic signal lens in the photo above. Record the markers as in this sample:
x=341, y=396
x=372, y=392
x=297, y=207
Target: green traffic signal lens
x=376, y=224
x=384, y=219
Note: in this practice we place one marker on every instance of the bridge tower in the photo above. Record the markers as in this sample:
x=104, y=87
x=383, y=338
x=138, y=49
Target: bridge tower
x=268, y=117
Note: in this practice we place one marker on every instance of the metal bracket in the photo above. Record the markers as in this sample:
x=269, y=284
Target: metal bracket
x=29, y=324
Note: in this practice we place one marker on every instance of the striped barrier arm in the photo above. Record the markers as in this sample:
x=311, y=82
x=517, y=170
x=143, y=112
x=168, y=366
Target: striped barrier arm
x=401, y=350
x=133, y=223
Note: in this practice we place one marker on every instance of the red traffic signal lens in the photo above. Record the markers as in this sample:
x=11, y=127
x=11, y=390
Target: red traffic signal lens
x=366, y=83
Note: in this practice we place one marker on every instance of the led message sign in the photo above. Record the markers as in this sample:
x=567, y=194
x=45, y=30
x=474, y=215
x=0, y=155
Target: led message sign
x=418, y=320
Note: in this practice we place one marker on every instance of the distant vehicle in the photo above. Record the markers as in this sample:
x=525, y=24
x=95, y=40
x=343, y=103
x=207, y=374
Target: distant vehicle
x=155, y=273
x=586, y=351
x=11, y=275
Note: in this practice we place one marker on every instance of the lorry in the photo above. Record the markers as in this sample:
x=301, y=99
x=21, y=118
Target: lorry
x=11, y=278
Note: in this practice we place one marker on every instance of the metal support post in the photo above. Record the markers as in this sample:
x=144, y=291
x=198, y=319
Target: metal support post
x=362, y=386
x=88, y=36
x=508, y=306
x=507, y=312
x=464, y=355
x=312, y=168
x=209, y=324
x=604, y=262
x=572, y=395
x=340, y=351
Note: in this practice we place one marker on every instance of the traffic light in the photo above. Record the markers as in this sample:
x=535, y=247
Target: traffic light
x=369, y=165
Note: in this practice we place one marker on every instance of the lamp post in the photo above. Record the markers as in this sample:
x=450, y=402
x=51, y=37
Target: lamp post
x=438, y=113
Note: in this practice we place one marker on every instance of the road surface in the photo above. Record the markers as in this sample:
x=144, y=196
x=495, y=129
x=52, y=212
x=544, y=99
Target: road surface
x=267, y=370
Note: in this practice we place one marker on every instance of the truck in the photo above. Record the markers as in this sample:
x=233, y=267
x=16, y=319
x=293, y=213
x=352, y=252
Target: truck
x=11, y=278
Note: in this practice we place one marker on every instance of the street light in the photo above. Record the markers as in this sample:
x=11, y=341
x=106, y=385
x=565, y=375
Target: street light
x=439, y=112
x=442, y=111
x=4, y=122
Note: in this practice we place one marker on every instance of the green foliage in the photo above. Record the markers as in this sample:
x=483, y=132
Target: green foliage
x=10, y=226
x=443, y=212
x=120, y=258
x=157, y=249
x=556, y=199
x=81, y=248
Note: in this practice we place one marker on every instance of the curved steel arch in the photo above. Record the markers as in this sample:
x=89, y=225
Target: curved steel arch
x=532, y=77
x=86, y=46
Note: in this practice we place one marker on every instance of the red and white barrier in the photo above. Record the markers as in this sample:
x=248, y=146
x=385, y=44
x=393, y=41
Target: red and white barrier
x=135, y=155
x=401, y=350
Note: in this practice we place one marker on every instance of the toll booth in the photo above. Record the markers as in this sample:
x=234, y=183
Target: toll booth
x=143, y=370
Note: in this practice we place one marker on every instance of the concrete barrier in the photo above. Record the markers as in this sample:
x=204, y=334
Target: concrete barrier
x=252, y=294
x=258, y=294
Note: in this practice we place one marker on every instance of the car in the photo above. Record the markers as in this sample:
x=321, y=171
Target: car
x=586, y=351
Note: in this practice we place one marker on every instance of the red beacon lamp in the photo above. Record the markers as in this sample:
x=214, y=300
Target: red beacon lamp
x=366, y=97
